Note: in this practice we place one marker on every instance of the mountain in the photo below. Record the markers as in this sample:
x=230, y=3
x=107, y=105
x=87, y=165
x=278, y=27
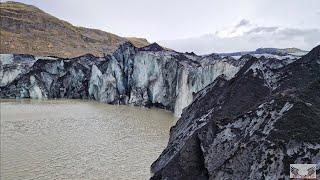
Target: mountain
x=147, y=76
x=269, y=52
x=252, y=126
x=25, y=29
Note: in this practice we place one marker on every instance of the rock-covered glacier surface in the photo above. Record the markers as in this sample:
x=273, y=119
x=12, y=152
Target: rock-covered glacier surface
x=252, y=126
x=149, y=76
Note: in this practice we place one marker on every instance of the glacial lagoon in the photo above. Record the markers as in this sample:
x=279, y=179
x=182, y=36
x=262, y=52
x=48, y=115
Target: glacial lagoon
x=77, y=139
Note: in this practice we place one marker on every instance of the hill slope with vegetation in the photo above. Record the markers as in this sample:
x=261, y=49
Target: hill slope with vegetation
x=26, y=29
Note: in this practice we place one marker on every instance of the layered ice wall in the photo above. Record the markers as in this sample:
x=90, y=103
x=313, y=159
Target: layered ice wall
x=149, y=76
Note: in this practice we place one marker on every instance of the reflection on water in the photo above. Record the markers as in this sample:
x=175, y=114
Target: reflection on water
x=74, y=139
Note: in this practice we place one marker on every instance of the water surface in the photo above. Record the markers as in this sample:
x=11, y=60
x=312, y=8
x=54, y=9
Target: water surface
x=74, y=139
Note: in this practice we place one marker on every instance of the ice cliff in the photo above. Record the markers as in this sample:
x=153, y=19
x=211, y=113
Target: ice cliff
x=148, y=76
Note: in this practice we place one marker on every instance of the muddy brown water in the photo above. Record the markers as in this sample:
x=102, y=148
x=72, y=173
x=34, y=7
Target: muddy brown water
x=76, y=139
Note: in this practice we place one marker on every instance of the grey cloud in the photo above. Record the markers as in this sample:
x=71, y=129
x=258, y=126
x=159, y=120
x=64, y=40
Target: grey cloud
x=268, y=37
x=308, y=36
x=293, y=32
x=262, y=29
x=243, y=22
x=256, y=36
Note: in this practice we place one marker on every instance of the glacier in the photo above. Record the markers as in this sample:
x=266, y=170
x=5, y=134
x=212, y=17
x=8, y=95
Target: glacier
x=148, y=76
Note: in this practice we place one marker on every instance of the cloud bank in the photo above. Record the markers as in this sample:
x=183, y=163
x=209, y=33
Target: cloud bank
x=246, y=35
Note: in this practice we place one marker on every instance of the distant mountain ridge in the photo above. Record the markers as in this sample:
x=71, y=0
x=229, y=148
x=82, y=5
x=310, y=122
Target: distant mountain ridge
x=26, y=29
x=272, y=51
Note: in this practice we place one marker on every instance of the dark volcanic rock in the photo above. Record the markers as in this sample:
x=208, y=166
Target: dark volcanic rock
x=249, y=127
x=152, y=47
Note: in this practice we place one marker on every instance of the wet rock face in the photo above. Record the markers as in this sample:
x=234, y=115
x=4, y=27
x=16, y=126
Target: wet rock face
x=149, y=76
x=252, y=126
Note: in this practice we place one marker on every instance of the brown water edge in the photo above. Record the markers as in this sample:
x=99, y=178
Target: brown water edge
x=80, y=139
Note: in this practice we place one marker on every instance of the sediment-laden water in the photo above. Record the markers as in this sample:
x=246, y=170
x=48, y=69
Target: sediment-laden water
x=74, y=139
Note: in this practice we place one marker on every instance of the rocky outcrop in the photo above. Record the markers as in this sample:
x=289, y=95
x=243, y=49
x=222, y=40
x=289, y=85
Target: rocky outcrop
x=148, y=76
x=252, y=126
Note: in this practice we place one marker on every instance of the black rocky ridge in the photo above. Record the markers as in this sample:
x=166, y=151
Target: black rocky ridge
x=252, y=126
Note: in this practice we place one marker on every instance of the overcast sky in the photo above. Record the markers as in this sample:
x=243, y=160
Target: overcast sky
x=202, y=26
